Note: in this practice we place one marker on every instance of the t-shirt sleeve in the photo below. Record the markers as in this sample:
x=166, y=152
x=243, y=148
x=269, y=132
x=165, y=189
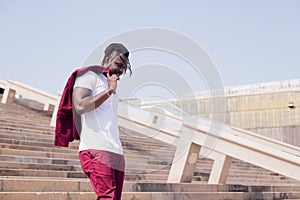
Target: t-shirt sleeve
x=87, y=80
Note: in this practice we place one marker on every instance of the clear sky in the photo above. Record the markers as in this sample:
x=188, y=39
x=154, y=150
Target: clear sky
x=42, y=42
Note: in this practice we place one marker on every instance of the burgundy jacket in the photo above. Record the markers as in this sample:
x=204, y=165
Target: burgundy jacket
x=68, y=122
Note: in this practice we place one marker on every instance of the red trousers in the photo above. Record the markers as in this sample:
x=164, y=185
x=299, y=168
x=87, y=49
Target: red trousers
x=106, y=172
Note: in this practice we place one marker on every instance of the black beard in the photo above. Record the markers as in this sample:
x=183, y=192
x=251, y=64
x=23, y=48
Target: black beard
x=114, y=72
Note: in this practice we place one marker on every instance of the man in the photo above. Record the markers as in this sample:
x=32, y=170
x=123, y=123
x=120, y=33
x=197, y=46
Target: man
x=95, y=99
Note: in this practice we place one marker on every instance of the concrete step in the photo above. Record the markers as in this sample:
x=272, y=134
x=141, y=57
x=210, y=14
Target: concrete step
x=46, y=138
x=161, y=171
x=15, y=139
x=44, y=133
x=19, y=130
x=73, y=145
x=238, y=163
x=209, y=195
x=47, y=195
x=73, y=174
x=149, y=148
x=20, y=104
x=29, y=103
x=40, y=173
x=261, y=182
x=131, y=174
x=240, y=172
x=83, y=185
x=16, y=152
x=25, y=119
x=39, y=166
x=133, y=162
x=24, y=137
x=145, y=166
x=259, y=177
x=30, y=126
x=59, y=167
x=13, y=109
x=38, y=148
x=51, y=153
x=18, y=117
x=146, y=177
x=28, y=134
x=23, y=116
x=156, y=168
x=129, y=157
x=26, y=131
x=31, y=159
x=45, y=185
x=152, y=144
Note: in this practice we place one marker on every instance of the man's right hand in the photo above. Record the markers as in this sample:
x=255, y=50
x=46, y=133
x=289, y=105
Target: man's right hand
x=112, y=82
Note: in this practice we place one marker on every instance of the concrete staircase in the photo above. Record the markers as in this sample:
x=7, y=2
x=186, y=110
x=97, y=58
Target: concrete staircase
x=32, y=168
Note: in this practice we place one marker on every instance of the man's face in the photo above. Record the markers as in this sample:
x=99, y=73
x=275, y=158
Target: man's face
x=117, y=64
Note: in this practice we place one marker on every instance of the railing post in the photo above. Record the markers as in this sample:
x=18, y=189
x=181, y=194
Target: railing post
x=8, y=96
x=185, y=159
x=53, y=119
x=47, y=106
x=220, y=169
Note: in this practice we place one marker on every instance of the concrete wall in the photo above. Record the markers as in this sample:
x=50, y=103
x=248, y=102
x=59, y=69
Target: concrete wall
x=264, y=111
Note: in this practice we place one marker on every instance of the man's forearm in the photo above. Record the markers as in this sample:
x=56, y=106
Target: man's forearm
x=87, y=103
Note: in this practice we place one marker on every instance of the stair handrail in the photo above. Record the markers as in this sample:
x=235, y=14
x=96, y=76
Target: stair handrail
x=285, y=157
x=14, y=87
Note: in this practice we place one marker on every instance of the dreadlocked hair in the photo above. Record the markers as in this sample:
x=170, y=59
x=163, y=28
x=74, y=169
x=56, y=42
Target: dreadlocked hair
x=120, y=49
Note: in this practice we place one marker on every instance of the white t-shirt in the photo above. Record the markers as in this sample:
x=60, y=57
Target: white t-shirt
x=100, y=126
